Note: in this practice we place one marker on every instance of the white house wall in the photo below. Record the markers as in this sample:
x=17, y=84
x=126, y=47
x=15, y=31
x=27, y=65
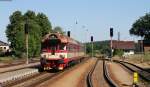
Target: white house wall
x=4, y=48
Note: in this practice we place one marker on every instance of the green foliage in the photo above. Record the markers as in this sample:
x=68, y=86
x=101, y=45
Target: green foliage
x=104, y=47
x=141, y=27
x=58, y=29
x=44, y=23
x=88, y=48
x=100, y=47
x=147, y=57
x=39, y=25
x=118, y=52
x=6, y=59
x=34, y=39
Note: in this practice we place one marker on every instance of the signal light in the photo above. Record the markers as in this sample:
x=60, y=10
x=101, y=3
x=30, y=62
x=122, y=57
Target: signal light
x=68, y=33
x=91, y=38
x=111, y=32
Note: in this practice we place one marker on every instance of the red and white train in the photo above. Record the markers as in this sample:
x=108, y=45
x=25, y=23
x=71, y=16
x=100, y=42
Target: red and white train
x=59, y=51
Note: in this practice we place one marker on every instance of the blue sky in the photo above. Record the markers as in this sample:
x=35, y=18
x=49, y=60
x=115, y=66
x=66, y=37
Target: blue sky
x=96, y=15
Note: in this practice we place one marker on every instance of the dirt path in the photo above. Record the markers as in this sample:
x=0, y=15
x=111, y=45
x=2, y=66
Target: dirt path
x=120, y=75
x=72, y=78
x=97, y=77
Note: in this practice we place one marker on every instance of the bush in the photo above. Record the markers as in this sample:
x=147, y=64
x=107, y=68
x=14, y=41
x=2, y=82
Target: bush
x=118, y=52
x=147, y=57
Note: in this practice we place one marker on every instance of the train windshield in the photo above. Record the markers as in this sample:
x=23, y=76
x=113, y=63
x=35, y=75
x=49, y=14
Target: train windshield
x=50, y=45
x=53, y=45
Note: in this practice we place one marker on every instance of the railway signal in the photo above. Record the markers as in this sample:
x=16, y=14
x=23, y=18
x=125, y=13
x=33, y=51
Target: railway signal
x=111, y=32
x=91, y=38
x=68, y=33
x=92, y=44
x=111, y=35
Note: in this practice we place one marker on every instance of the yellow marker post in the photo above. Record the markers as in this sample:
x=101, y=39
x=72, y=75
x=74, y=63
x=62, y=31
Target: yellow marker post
x=135, y=78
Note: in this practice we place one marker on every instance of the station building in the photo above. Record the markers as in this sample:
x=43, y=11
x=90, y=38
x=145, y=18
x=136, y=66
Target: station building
x=4, y=47
x=127, y=46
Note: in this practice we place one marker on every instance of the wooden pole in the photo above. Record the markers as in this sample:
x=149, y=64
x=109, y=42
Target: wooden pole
x=26, y=40
x=111, y=53
x=27, y=59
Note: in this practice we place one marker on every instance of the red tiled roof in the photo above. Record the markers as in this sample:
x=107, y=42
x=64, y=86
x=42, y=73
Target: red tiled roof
x=123, y=44
x=3, y=43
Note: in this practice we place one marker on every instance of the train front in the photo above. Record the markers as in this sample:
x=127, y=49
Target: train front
x=53, y=53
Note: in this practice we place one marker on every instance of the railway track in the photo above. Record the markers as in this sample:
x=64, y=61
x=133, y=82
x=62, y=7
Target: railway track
x=9, y=78
x=18, y=67
x=10, y=65
x=33, y=80
x=17, y=63
x=107, y=76
x=89, y=76
x=144, y=74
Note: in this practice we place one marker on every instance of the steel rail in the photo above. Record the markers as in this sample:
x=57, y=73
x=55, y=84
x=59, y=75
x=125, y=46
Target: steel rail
x=144, y=74
x=89, y=76
x=107, y=77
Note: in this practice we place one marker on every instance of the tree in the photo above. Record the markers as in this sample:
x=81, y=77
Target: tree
x=58, y=29
x=15, y=32
x=101, y=46
x=34, y=34
x=45, y=24
x=38, y=27
x=141, y=27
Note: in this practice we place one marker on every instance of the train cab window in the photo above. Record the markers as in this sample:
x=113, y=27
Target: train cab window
x=50, y=46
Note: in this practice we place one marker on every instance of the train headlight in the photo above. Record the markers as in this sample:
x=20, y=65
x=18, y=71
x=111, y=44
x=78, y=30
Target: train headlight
x=43, y=55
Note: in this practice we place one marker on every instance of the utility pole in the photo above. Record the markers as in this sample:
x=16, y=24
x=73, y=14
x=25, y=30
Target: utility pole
x=142, y=46
x=26, y=27
x=118, y=36
x=111, y=35
x=86, y=40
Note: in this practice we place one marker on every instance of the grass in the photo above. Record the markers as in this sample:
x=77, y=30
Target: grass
x=7, y=59
x=139, y=57
x=10, y=59
x=146, y=57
